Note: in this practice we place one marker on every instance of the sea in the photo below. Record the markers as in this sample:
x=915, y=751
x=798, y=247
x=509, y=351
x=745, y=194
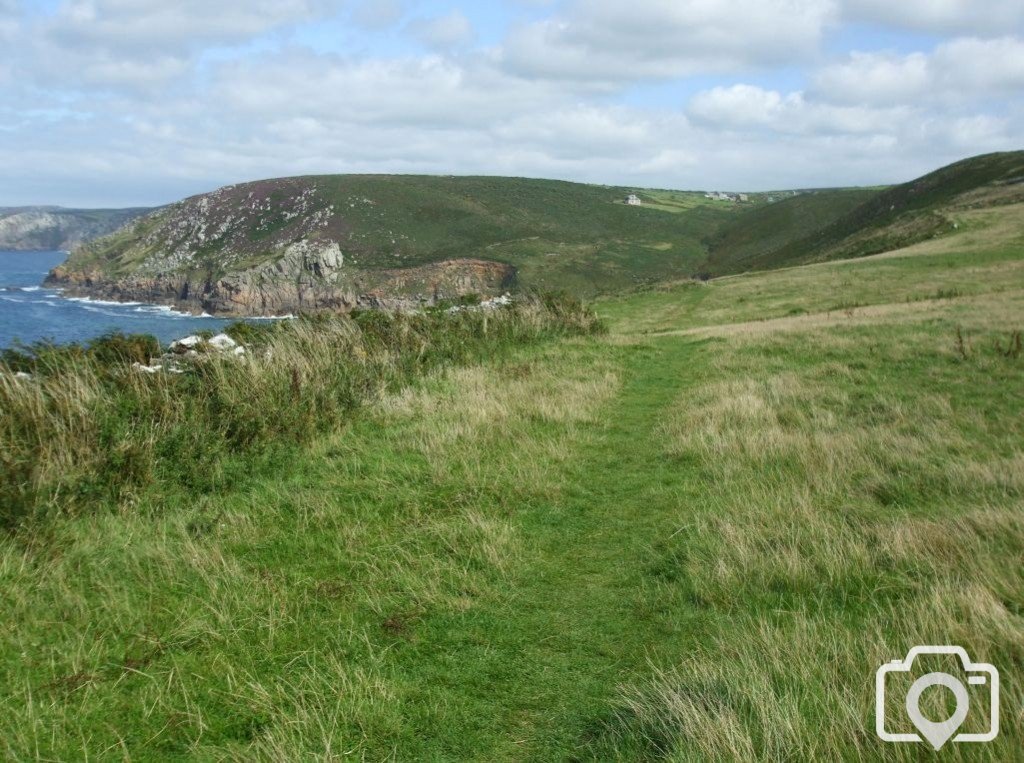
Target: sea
x=30, y=312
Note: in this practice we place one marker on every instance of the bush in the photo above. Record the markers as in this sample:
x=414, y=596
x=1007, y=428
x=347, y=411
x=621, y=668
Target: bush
x=115, y=347
x=89, y=430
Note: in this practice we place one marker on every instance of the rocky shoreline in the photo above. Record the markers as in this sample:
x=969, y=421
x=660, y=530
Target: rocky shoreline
x=302, y=281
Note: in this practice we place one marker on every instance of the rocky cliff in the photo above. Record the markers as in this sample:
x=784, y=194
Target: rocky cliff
x=55, y=228
x=312, y=281
x=270, y=248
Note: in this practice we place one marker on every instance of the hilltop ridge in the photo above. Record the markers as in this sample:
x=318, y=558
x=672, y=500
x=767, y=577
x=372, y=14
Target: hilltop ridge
x=858, y=223
x=338, y=242
x=342, y=241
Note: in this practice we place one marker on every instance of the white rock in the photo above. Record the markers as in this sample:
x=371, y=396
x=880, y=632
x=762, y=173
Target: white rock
x=187, y=342
x=503, y=301
x=239, y=350
x=22, y=375
x=223, y=342
x=147, y=369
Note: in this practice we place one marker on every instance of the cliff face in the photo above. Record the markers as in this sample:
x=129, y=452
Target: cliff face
x=268, y=248
x=293, y=285
x=54, y=228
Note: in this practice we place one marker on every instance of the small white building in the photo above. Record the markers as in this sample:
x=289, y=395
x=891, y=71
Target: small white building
x=633, y=200
x=744, y=197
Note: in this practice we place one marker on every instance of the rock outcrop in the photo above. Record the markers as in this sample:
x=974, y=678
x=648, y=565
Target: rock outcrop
x=295, y=284
x=268, y=248
x=55, y=228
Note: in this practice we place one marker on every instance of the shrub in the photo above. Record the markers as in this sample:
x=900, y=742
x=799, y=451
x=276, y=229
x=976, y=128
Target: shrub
x=89, y=430
x=115, y=347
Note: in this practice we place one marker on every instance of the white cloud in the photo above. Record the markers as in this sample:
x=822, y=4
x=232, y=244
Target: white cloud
x=619, y=41
x=874, y=78
x=895, y=142
x=961, y=70
x=978, y=133
x=378, y=14
x=973, y=66
x=741, y=107
x=109, y=97
x=443, y=32
x=9, y=23
x=136, y=43
x=428, y=92
x=147, y=25
x=945, y=16
x=581, y=132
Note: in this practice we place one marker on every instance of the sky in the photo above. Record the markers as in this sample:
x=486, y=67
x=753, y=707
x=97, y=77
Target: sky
x=142, y=102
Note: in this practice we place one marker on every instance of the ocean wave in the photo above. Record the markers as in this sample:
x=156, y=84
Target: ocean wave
x=20, y=288
x=105, y=302
x=168, y=311
x=101, y=311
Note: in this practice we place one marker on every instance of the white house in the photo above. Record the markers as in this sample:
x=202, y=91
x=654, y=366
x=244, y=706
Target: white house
x=633, y=200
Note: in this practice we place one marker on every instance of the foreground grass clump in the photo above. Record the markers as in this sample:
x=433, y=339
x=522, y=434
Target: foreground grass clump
x=88, y=427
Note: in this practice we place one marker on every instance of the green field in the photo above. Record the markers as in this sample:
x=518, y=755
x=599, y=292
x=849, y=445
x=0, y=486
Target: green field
x=692, y=538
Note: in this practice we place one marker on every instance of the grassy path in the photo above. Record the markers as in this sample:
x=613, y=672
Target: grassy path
x=529, y=674
x=473, y=566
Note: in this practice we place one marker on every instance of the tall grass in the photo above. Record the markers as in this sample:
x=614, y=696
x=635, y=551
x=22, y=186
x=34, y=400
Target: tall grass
x=861, y=493
x=88, y=428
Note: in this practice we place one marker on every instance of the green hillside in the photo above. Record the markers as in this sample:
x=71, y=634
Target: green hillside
x=821, y=227
x=758, y=231
x=335, y=242
x=557, y=234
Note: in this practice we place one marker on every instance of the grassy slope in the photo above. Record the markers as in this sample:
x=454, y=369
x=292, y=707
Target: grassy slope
x=896, y=217
x=760, y=230
x=559, y=234
x=564, y=235
x=668, y=547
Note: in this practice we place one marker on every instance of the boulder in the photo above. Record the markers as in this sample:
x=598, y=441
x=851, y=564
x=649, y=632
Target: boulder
x=186, y=343
x=222, y=342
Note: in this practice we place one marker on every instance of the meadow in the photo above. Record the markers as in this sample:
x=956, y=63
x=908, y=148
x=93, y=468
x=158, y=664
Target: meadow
x=693, y=537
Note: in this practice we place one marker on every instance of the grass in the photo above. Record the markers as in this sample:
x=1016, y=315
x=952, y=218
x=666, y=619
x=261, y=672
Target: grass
x=907, y=214
x=559, y=235
x=981, y=259
x=826, y=225
x=758, y=231
x=660, y=546
x=87, y=426
x=861, y=493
